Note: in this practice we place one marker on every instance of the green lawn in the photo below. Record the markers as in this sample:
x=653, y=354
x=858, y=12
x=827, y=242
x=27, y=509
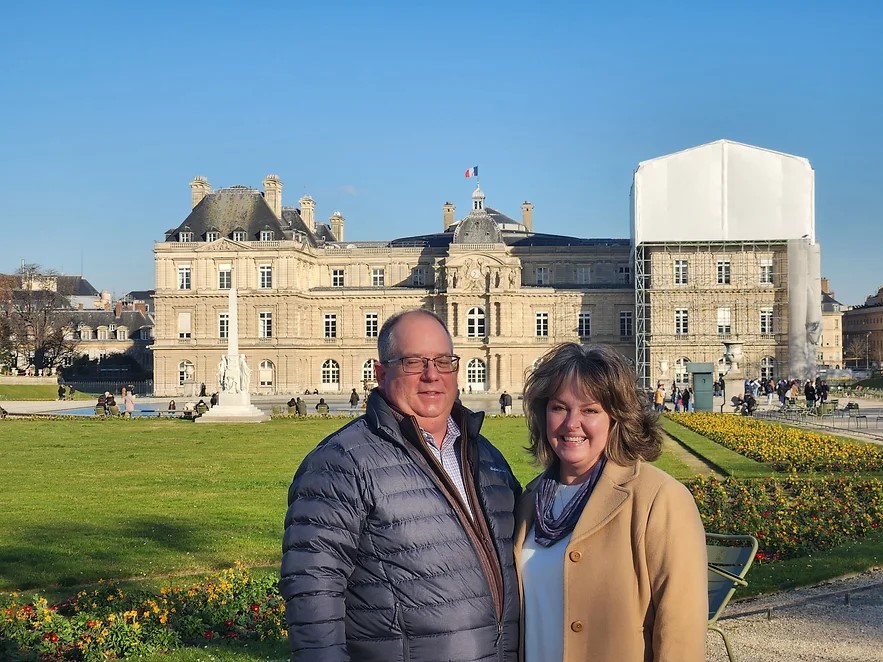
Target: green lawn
x=147, y=499
x=34, y=392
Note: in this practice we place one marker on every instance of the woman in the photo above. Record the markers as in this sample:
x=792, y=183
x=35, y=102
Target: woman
x=129, y=401
x=611, y=550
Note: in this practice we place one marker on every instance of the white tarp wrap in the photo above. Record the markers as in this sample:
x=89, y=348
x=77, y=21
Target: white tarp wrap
x=804, y=307
x=723, y=191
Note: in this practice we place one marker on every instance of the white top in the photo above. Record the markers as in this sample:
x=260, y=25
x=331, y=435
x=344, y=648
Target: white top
x=542, y=573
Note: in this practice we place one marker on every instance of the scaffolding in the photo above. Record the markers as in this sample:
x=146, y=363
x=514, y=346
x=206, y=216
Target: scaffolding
x=690, y=297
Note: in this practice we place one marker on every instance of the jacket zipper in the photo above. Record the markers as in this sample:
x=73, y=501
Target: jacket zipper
x=486, y=556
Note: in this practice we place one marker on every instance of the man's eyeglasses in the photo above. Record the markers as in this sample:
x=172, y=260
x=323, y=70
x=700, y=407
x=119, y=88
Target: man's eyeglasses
x=417, y=364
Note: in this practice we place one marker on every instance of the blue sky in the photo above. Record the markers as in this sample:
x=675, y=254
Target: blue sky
x=376, y=109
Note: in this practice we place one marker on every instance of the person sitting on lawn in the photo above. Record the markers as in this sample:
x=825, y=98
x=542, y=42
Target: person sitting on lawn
x=101, y=405
x=322, y=407
x=112, y=407
x=201, y=407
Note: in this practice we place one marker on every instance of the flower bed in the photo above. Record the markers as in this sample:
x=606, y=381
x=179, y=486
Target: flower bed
x=109, y=622
x=784, y=448
x=791, y=517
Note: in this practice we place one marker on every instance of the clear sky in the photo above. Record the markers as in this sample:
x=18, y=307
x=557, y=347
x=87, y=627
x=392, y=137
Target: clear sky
x=376, y=109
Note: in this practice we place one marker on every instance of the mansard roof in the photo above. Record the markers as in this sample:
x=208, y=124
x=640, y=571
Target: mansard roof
x=131, y=319
x=228, y=209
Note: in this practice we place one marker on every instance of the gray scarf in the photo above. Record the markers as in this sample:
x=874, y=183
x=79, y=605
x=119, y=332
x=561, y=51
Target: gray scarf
x=547, y=529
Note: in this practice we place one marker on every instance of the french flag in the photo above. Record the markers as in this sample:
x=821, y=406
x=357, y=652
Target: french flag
x=472, y=172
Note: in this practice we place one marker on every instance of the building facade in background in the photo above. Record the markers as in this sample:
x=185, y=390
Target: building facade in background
x=863, y=333
x=722, y=248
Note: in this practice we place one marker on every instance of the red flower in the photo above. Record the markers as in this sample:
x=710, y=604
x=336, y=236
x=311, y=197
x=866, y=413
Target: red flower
x=91, y=624
x=51, y=636
x=231, y=635
x=209, y=635
x=228, y=622
x=255, y=607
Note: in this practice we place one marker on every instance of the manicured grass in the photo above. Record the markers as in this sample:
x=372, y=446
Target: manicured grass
x=729, y=463
x=852, y=557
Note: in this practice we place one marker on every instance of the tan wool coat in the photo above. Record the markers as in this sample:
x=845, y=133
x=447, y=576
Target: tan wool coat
x=635, y=574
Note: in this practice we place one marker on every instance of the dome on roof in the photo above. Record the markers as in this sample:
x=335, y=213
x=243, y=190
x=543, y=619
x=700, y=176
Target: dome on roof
x=478, y=229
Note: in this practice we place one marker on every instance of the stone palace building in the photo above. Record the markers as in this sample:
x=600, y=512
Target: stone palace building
x=714, y=230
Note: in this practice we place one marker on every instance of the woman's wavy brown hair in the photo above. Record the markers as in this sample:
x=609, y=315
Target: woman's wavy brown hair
x=599, y=371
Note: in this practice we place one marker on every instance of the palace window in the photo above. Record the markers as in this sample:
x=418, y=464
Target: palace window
x=265, y=276
x=543, y=276
x=626, y=326
x=418, y=277
x=476, y=373
x=265, y=324
x=240, y=235
x=766, y=270
x=212, y=236
x=372, y=321
x=584, y=324
x=723, y=272
x=682, y=321
x=337, y=278
x=542, y=325
x=681, y=273
x=766, y=320
x=330, y=325
x=184, y=329
x=475, y=323
x=225, y=277
x=223, y=325
x=378, y=278
x=267, y=235
x=330, y=373
x=723, y=321
x=184, y=277
x=265, y=373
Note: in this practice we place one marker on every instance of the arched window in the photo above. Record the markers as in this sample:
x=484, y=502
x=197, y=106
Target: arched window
x=368, y=374
x=681, y=376
x=265, y=373
x=476, y=374
x=767, y=368
x=185, y=372
x=331, y=374
x=475, y=323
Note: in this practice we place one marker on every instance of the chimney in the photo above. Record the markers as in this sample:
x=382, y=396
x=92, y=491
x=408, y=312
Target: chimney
x=199, y=188
x=825, y=286
x=118, y=309
x=273, y=194
x=307, y=212
x=140, y=307
x=527, y=215
x=447, y=215
x=337, y=225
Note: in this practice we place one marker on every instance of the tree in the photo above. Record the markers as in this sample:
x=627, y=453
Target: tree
x=36, y=327
x=856, y=350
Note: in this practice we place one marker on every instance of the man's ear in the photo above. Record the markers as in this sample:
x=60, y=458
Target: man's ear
x=379, y=374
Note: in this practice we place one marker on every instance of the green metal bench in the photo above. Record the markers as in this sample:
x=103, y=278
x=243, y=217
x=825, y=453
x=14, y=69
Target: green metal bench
x=729, y=559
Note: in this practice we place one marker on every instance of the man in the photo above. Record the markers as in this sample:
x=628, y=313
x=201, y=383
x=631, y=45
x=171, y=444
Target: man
x=506, y=404
x=354, y=399
x=398, y=536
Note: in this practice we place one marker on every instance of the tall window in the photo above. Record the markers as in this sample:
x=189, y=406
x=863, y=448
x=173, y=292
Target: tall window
x=267, y=235
x=767, y=368
x=723, y=272
x=476, y=373
x=723, y=321
x=626, y=324
x=240, y=235
x=265, y=276
x=184, y=330
x=418, y=277
x=378, y=278
x=330, y=325
x=225, y=277
x=766, y=320
x=682, y=321
x=681, y=274
x=583, y=275
x=265, y=373
x=265, y=329
x=337, y=278
x=542, y=325
x=543, y=276
x=475, y=323
x=223, y=325
x=584, y=324
x=371, y=324
x=184, y=277
x=185, y=371
x=624, y=274
x=330, y=373
x=766, y=270
x=212, y=236
x=368, y=373
x=681, y=375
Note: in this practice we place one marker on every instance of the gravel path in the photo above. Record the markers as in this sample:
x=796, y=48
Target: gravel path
x=814, y=624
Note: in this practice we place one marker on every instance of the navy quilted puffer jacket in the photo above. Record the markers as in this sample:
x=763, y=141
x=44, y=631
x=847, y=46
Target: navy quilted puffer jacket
x=380, y=561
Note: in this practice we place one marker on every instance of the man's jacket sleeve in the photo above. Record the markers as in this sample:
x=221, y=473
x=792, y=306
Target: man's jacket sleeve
x=325, y=514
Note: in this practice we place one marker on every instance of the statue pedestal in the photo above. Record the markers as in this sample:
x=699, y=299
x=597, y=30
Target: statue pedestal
x=734, y=384
x=233, y=408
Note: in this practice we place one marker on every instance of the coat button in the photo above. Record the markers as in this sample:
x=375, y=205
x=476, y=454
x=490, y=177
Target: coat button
x=576, y=556
x=577, y=626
